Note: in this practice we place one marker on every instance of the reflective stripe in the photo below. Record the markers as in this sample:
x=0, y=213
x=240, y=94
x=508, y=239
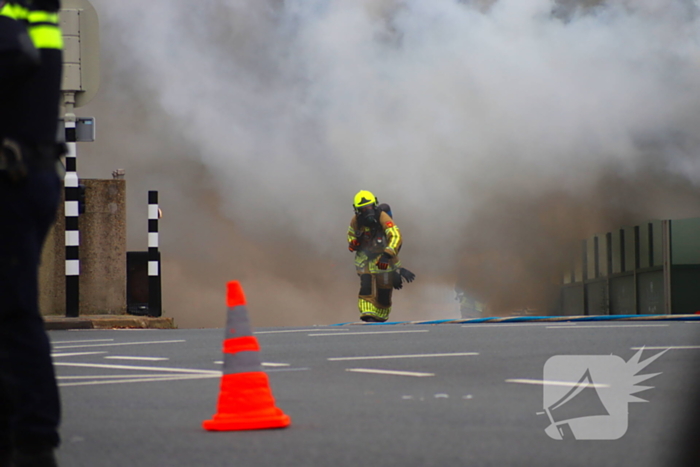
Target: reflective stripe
x=153, y=268
x=351, y=234
x=14, y=11
x=237, y=322
x=368, y=264
x=242, y=362
x=365, y=306
x=72, y=267
x=370, y=308
x=394, y=237
x=46, y=36
x=360, y=259
x=72, y=209
x=383, y=312
x=152, y=239
x=43, y=26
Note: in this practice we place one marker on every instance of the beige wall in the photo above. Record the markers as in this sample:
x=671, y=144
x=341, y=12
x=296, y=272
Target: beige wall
x=102, y=253
x=52, y=282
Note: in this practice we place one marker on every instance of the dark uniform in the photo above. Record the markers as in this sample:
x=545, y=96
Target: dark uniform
x=30, y=78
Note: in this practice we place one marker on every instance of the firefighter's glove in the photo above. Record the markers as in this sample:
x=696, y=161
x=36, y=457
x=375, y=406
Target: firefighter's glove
x=354, y=245
x=383, y=261
x=397, y=281
x=12, y=165
x=407, y=275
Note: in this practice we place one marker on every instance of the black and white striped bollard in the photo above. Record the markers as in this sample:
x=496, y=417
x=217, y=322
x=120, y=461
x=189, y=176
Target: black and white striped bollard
x=154, y=285
x=72, y=211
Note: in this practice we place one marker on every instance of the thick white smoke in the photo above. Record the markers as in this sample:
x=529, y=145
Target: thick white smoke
x=259, y=120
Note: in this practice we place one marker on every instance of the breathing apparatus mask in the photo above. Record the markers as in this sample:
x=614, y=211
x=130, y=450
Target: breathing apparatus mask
x=368, y=214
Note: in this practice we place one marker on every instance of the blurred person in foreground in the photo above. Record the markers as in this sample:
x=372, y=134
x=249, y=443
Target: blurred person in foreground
x=30, y=78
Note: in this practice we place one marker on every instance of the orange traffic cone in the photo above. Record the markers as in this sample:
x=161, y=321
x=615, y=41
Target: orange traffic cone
x=245, y=399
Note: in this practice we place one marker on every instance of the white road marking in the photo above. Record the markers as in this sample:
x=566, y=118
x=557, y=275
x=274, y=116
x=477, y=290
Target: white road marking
x=381, y=357
x=556, y=383
x=150, y=359
x=613, y=326
x=120, y=379
x=297, y=330
x=113, y=376
x=368, y=333
x=119, y=343
x=138, y=380
x=75, y=354
x=389, y=372
x=502, y=325
x=675, y=347
x=221, y=362
x=287, y=369
x=130, y=367
x=81, y=341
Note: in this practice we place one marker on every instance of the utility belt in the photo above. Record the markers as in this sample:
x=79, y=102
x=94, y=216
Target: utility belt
x=16, y=159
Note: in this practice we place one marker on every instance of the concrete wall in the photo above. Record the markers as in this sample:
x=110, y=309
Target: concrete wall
x=102, y=253
x=52, y=279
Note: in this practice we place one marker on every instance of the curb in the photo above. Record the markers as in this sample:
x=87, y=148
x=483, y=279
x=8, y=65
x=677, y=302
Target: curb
x=534, y=319
x=60, y=323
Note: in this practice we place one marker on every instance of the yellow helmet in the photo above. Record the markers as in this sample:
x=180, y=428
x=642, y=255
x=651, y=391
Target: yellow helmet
x=364, y=198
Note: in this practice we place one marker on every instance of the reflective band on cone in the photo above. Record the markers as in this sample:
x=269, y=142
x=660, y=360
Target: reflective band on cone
x=245, y=397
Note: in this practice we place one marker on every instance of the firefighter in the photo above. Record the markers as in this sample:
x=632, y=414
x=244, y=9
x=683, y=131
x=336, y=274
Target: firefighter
x=376, y=240
x=30, y=77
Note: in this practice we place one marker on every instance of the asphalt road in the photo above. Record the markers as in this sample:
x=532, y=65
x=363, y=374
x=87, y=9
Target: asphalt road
x=401, y=395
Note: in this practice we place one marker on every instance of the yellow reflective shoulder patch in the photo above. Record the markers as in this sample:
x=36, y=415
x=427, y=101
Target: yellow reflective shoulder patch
x=14, y=11
x=46, y=37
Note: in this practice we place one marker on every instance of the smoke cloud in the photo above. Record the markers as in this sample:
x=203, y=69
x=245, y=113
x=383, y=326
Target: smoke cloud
x=501, y=132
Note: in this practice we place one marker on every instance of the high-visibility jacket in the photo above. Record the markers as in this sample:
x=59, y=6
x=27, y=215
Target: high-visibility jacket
x=33, y=108
x=384, y=238
x=43, y=26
